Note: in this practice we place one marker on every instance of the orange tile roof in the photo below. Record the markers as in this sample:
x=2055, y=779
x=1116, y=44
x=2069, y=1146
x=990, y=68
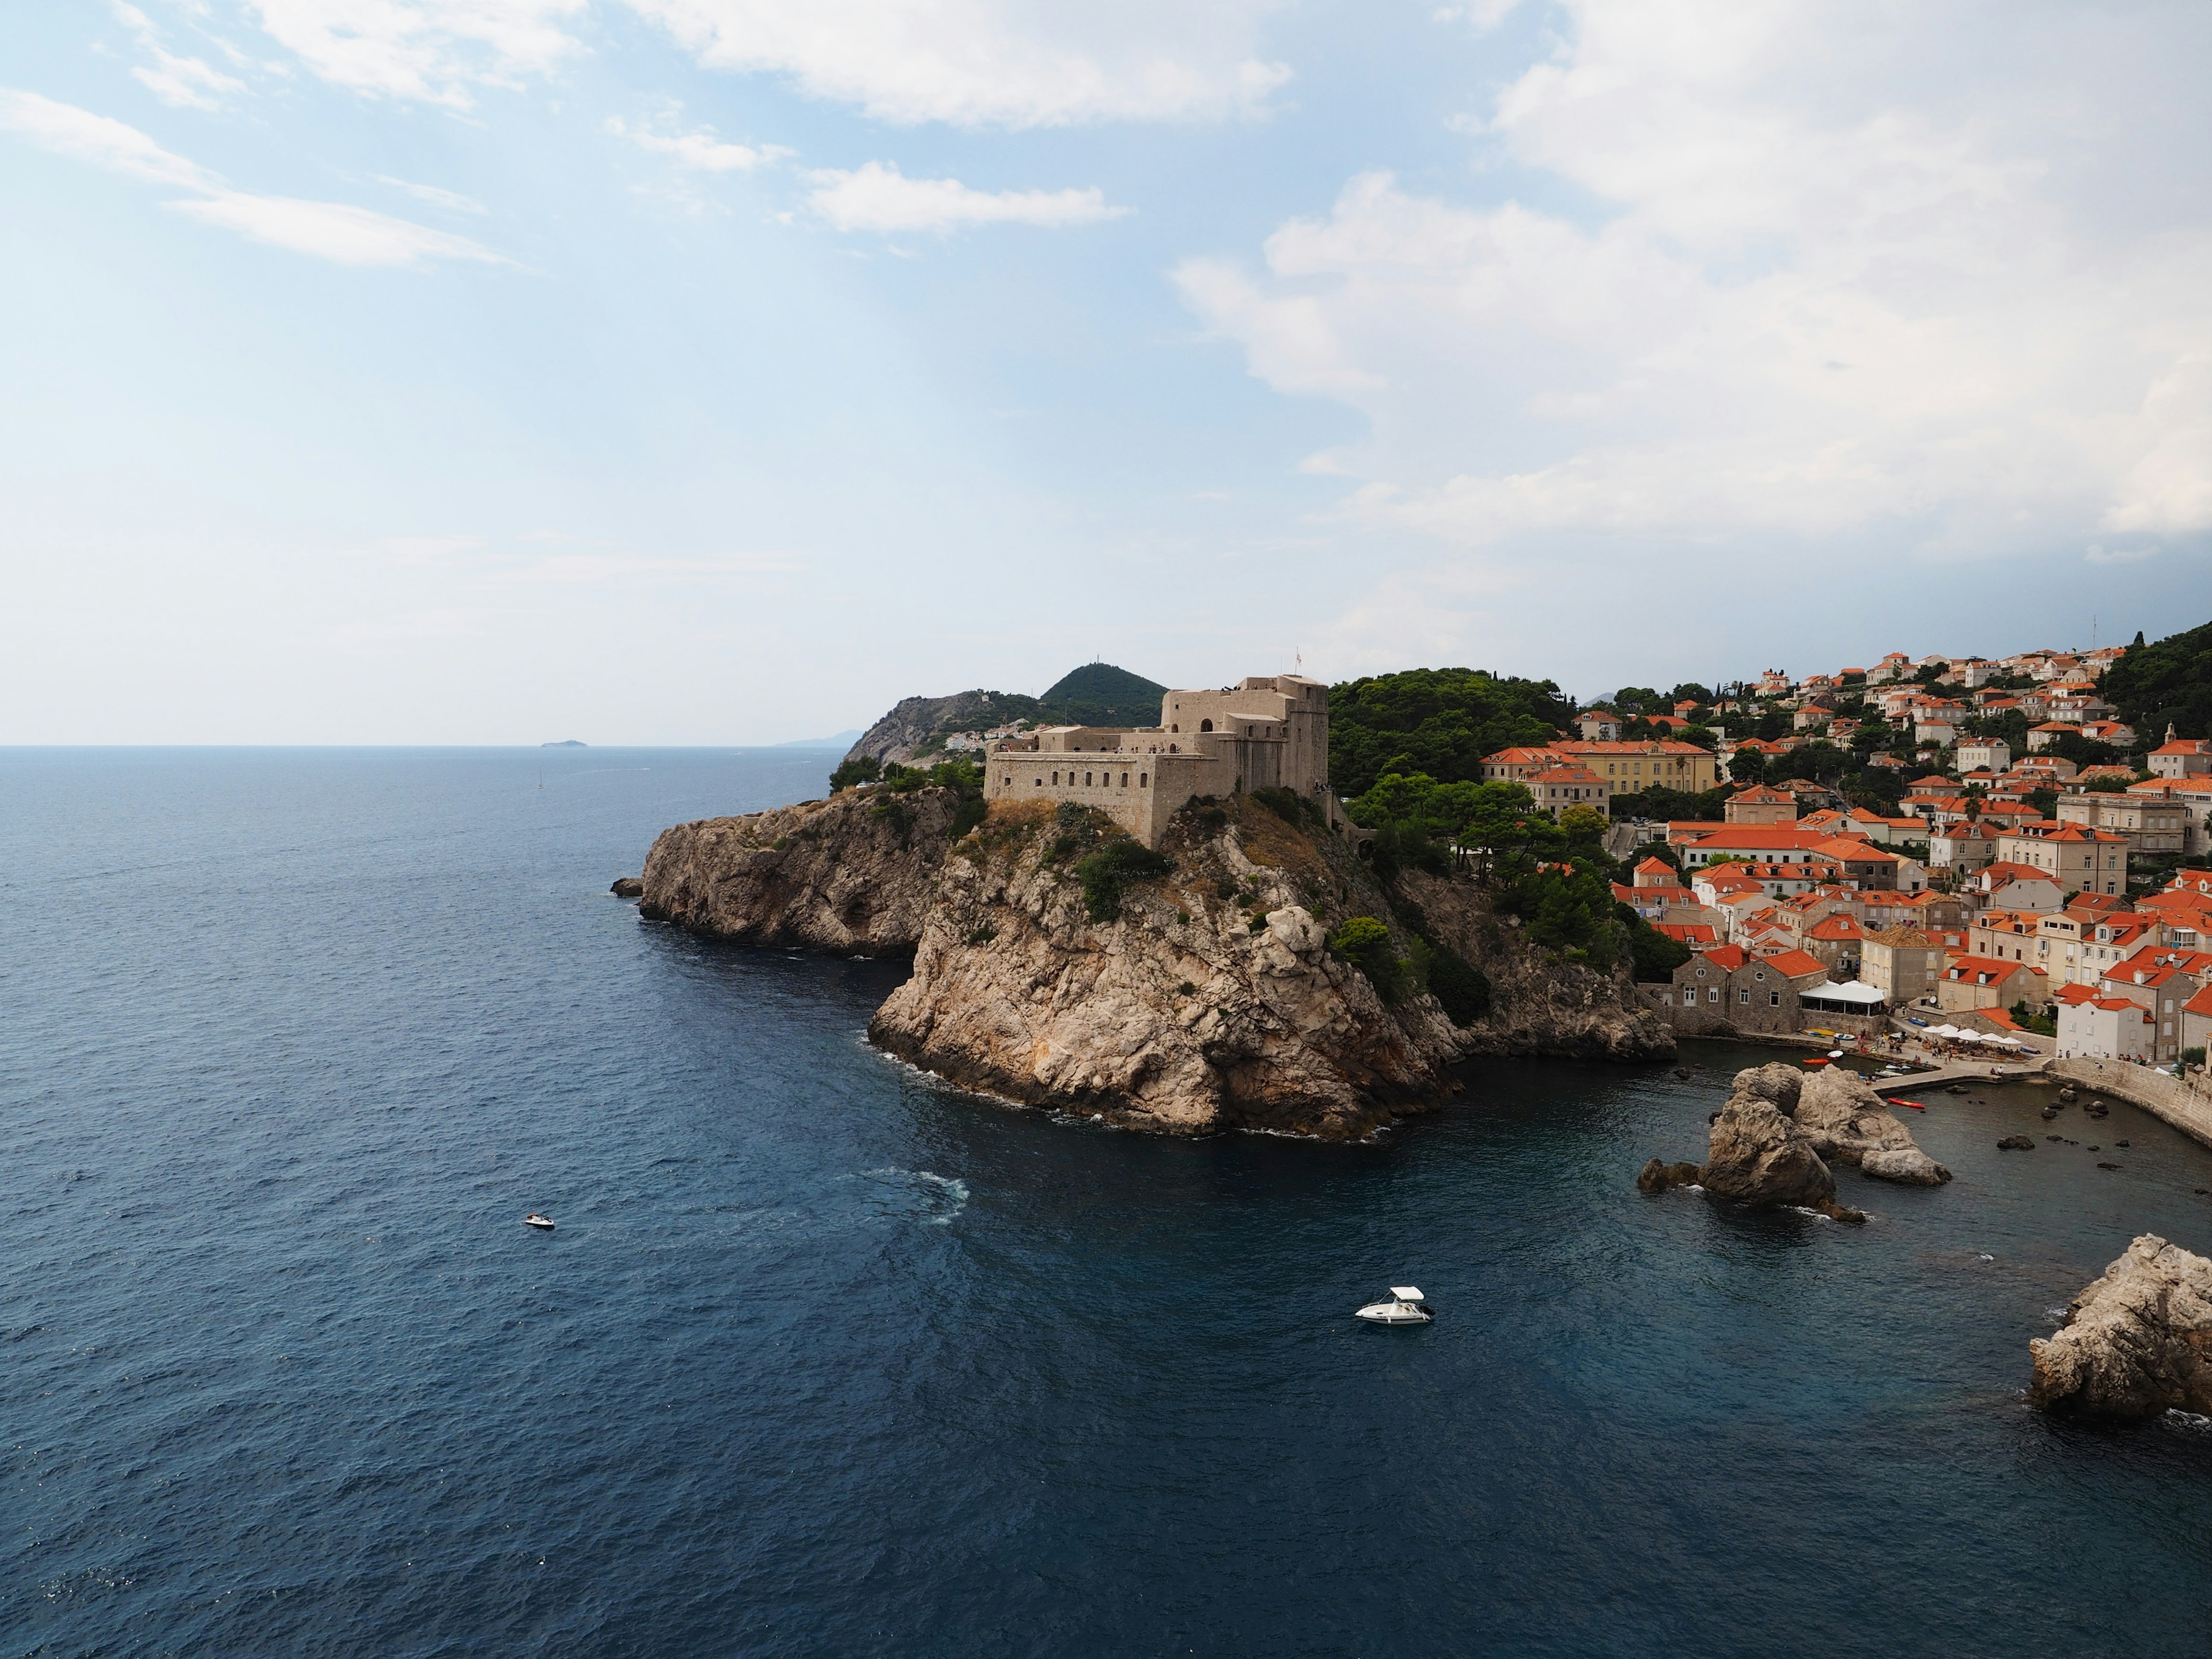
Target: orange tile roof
x=1795, y=964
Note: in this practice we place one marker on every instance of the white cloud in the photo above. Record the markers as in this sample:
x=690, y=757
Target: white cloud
x=429, y=50
x=878, y=197
x=186, y=82
x=83, y=137
x=701, y=151
x=1007, y=62
x=1850, y=267
x=993, y=62
x=451, y=200
x=326, y=230
x=332, y=230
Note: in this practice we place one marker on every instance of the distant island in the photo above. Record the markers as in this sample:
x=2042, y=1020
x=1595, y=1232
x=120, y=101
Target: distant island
x=835, y=740
x=565, y=742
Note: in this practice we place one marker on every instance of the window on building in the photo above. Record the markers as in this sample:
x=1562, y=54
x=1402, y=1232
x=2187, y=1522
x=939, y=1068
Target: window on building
x=1774, y=998
x=1056, y=779
x=1206, y=726
x=1744, y=995
x=1689, y=995
x=1713, y=994
x=1141, y=778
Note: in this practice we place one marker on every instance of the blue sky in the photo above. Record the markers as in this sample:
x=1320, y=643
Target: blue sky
x=716, y=371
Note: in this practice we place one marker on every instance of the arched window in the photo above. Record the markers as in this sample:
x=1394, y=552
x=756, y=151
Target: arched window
x=1125, y=780
x=1206, y=726
x=1143, y=781
x=1056, y=778
x=1086, y=779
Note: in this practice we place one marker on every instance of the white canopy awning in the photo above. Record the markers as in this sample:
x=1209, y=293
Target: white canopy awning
x=1850, y=991
x=1405, y=1293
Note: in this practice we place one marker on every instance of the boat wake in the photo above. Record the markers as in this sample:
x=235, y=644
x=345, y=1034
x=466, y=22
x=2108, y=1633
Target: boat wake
x=922, y=1195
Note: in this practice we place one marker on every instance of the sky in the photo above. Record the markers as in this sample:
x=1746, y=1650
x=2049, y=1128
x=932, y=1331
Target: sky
x=722, y=371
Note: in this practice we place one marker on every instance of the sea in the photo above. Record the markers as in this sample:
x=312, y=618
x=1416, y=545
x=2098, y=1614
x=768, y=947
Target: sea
x=824, y=1358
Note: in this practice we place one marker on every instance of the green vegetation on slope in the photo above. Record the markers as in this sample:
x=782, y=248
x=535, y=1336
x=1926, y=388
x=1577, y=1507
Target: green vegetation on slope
x=1099, y=694
x=1439, y=721
x=2169, y=684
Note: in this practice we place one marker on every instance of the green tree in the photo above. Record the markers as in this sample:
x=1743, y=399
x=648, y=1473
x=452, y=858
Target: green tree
x=1365, y=944
x=2167, y=683
x=1440, y=721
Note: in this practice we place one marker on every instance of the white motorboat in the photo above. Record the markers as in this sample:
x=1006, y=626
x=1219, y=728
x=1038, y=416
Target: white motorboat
x=1405, y=1307
x=534, y=1219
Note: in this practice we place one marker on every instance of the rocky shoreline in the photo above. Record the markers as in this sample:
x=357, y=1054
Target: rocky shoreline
x=1201, y=996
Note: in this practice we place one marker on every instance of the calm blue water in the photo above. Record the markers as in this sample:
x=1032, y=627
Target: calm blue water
x=825, y=1360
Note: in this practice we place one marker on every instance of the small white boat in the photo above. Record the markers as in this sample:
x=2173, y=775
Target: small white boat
x=1405, y=1307
x=534, y=1219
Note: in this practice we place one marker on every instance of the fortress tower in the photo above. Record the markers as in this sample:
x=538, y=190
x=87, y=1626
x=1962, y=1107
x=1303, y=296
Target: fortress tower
x=1268, y=732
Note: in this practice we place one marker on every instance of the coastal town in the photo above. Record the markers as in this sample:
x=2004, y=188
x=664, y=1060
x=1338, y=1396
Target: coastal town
x=2043, y=879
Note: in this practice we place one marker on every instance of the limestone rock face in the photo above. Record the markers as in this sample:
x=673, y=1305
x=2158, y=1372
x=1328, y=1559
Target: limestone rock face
x=1180, y=1015
x=1539, y=1005
x=1777, y=1083
x=1848, y=1123
x=855, y=872
x=902, y=733
x=2137, y=1342
x=1757, y=1156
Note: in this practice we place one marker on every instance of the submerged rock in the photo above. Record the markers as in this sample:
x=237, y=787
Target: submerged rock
x=628, y=887
x=2017, y=1144
x=2137, y=1342
x=1657, y=1176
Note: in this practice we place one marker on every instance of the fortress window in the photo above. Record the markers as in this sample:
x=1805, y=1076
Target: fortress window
x=1040, y=782
x=1056, y=778
x=1141, y=777
x=1086, y=779
x=1206, y=726
x=1125, y=780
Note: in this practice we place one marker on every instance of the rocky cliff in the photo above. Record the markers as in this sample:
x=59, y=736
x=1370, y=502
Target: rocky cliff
x=855, y=872
x=1539, y=1004
x=2137, y=1342
x=1208, y=1001
x=1202, y=996
x=912, y=723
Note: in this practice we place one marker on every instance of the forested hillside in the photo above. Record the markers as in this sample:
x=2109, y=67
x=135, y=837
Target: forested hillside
x=1440, y=721
x=2167, y=683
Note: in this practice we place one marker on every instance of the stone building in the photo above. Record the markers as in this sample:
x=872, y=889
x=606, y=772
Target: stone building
x=1761, y=805
x=1729, y=991
x=1269, y=733
x=2155, y=826
x=1903, y=963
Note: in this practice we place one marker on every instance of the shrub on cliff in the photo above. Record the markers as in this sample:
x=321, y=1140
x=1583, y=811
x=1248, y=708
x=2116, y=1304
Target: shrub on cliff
x=1109, y=872
x=1365, y=944
x=861, y=769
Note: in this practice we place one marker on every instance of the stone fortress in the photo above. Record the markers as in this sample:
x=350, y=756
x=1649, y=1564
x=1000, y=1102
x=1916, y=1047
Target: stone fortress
x=1268, y=732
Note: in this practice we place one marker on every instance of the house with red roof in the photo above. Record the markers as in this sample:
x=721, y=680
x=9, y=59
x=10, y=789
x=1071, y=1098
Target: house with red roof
x=2094, y=1027
x=1560, y=788
x=2181, y=757
x=2080, y=859
x=1729, y=991
x=1760, y=804
x=1972, y=981
x=2197, y=1021
x=2005, y=885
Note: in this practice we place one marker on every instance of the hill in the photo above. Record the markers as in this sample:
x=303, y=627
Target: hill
x=1437, y=720
x=1096, y=694
x=1099, y=694
x=2169, y=684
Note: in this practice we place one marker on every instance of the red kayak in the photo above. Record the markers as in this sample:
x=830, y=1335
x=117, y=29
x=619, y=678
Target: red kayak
x=1915, y=1104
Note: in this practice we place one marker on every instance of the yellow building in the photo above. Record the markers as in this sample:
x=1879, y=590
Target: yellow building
x=1629, y=767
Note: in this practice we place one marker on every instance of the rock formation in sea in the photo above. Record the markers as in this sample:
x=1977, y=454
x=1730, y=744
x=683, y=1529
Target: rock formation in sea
x=1199, y=995
x=1846, y=1121
x=1756, y=1155
x=1773, y=1142
x=856, y=873
x=2137, y=1342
